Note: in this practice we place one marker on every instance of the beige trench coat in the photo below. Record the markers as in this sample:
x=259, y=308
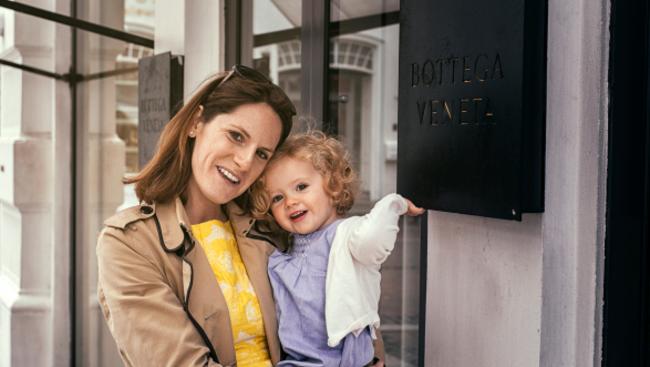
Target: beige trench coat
x=159, y=296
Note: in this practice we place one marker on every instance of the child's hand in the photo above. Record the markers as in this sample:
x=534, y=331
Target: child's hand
x=412, y=209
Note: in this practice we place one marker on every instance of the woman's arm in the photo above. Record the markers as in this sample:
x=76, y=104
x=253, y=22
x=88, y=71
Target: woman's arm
x=143, y=313
x=380, y=352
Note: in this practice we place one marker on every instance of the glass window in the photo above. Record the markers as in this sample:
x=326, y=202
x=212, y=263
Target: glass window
x=363, y=110
x=107, y=117
x=133, y=16
x=276, y=43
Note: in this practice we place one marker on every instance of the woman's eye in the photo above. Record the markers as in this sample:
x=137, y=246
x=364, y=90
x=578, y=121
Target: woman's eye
x=276, y=199
x=262, y=154
x=301, y=186
x=236, y=136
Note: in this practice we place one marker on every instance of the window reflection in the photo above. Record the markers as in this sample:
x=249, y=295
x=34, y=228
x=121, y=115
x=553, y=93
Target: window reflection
x=279, y=57
x=363, y=106
x=363, y=113
x=108, y=118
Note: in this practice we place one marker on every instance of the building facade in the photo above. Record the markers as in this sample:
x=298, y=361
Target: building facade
x=459, y=290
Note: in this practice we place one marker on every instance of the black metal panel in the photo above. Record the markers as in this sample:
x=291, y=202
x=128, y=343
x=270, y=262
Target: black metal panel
x=626, y=311
x=471, y=105
x=160, y=94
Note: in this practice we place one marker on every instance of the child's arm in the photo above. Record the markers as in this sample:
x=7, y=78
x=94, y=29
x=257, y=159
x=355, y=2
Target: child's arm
x=374, y=238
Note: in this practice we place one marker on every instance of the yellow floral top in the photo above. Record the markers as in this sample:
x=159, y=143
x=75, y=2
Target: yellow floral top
x=218, y=242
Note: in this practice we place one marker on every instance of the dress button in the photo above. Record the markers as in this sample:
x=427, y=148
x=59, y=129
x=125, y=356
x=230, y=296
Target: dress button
x=146, y=209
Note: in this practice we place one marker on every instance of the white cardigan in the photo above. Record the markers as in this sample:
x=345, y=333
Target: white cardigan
x=352, y=286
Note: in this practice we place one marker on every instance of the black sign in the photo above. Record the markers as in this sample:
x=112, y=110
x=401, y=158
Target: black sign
x=472, y=105
x=160, y=94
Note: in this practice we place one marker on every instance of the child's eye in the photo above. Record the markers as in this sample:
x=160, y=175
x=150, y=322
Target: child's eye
x=262, y=154
x=234, y=135
x=276, y=199
x=301, y=186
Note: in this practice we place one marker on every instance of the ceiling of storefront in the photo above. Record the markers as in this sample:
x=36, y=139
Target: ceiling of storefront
x=340, y=10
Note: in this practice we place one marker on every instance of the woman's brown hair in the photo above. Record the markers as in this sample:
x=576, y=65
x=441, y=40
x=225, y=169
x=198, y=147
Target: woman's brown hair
x=166, y=175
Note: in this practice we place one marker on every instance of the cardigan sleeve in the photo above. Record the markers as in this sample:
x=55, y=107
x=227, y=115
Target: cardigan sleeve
x=374, y=237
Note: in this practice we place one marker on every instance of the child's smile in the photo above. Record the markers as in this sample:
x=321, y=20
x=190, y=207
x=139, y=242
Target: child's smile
x=299, y=202
x=298, y=215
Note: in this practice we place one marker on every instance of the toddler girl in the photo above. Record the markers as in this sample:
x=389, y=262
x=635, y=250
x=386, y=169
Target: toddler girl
x=327, y=284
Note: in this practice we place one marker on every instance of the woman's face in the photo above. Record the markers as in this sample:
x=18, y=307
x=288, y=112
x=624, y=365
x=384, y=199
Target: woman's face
x=230, y=152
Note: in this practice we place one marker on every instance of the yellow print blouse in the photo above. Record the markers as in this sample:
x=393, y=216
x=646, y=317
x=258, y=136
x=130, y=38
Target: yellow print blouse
x=219, y=244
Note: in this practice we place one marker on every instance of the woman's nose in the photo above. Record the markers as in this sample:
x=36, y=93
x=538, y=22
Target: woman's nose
x=244, y=158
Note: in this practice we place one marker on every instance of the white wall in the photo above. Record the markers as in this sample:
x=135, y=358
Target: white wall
x=483, y=291
x=574, y=222
x=503, y=293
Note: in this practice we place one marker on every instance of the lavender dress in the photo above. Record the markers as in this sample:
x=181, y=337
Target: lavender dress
x=298, y=280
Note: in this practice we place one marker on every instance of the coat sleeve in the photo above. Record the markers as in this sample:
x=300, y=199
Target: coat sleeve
x=144, y=315
x=373, y=237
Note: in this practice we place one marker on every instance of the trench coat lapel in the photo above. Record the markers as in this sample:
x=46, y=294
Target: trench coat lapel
x=254, y=254
x=206, y=303
x=203, y=300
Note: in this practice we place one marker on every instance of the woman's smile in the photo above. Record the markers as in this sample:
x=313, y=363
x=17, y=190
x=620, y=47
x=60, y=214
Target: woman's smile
x=228, y=175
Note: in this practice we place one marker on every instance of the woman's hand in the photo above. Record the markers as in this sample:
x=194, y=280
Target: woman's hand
x=412, y=211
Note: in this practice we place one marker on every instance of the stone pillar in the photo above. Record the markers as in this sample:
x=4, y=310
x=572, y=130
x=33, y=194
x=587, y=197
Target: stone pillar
x=576, y=183
x=34, y=328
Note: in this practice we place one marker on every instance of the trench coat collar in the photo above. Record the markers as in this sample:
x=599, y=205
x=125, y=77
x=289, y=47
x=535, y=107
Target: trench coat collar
x=172, y=213
x=169, y=215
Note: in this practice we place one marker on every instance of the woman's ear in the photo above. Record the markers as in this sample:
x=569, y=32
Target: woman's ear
x=198, y=119
x=199, y=113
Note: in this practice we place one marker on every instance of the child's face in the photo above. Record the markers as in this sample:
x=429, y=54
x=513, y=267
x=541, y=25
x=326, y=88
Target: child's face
x=299, y=202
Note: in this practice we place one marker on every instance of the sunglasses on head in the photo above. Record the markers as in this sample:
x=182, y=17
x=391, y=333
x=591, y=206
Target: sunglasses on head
x=245, y=72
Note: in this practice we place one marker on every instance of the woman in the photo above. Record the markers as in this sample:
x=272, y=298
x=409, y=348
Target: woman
x=182, y=277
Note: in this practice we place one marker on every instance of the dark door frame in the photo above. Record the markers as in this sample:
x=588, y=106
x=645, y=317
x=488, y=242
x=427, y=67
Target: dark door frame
x=626, y=311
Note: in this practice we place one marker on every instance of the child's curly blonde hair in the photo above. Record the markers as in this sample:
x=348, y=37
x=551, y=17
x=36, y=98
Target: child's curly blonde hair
x=329, y=158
